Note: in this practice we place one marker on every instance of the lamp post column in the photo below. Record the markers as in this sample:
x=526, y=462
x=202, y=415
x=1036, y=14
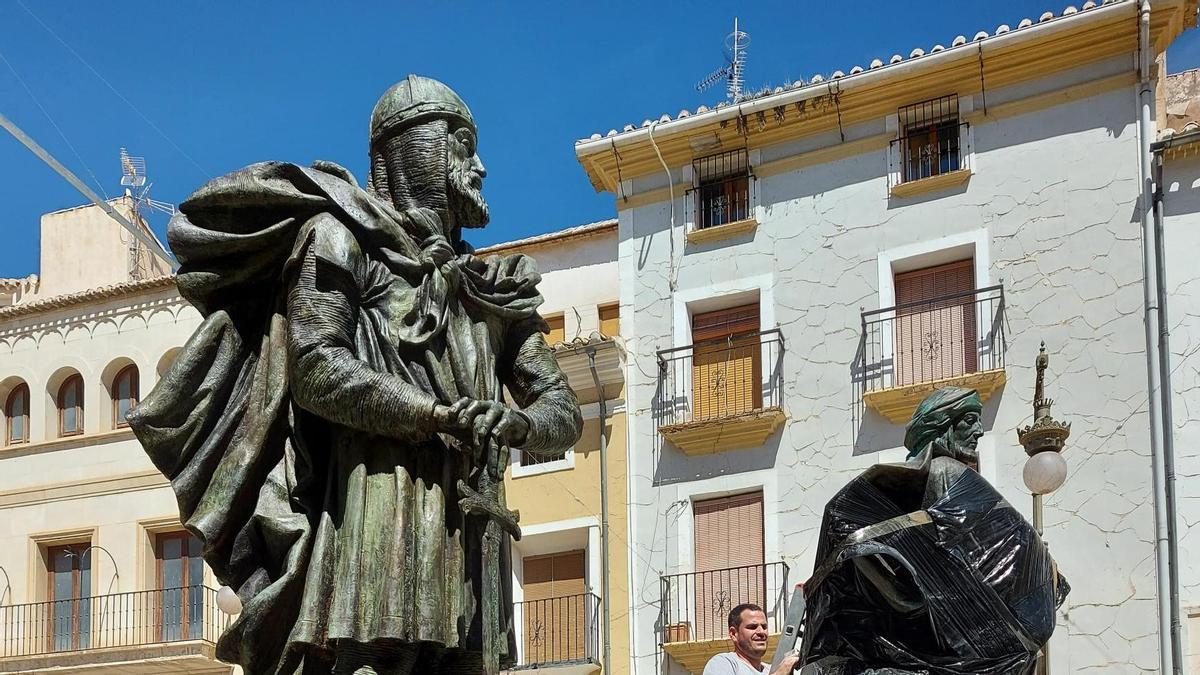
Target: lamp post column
x=1045, y=470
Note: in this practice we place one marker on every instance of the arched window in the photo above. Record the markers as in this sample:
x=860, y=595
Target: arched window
x=16, y=411
x=124, y=394
x=70, y=406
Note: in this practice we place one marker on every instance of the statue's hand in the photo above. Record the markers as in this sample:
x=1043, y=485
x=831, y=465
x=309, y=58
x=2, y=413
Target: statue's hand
x=487, y=425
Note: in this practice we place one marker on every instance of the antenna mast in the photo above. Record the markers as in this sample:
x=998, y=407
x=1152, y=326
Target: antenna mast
x=133, y=177
x=736, y=43
x=734, y=70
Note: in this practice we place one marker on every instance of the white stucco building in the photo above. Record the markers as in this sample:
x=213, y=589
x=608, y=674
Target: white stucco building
x=799, y=268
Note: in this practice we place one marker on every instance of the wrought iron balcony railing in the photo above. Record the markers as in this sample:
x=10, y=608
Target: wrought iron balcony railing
x=696, y=605
x=719, y=379
x=931, y=340
x=560, y=630
x=118, y=620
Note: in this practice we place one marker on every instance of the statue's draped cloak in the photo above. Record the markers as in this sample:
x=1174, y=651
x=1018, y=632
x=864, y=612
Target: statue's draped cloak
x=295, y=424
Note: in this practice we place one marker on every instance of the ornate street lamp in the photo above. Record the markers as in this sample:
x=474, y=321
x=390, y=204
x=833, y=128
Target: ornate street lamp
x=1045, y=470
x=228, y=601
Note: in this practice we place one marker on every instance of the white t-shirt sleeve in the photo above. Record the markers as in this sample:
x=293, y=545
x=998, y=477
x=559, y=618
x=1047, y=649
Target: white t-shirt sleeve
x=721, y=664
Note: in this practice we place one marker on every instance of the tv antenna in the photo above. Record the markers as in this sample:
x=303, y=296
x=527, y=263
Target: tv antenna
x=733, y=72
x=133, y=177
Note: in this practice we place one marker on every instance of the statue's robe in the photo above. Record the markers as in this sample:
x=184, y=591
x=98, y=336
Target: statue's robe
x=923, y=567
x=296, y=425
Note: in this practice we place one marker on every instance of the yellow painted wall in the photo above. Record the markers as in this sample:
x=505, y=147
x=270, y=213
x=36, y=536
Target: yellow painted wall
x=575, y=493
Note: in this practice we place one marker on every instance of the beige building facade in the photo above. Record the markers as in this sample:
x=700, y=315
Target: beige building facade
x=99, y=576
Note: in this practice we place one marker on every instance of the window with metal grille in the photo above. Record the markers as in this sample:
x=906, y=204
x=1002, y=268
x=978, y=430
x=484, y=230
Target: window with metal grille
x=929, y=143
x=721, y=192
x=530, y=459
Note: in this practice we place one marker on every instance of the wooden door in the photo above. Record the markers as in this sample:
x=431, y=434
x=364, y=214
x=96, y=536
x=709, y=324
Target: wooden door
x=726, y=363
x=935, y=338
x=70, y=590
x=180, y=587
x=729, y=560
x=555, y=607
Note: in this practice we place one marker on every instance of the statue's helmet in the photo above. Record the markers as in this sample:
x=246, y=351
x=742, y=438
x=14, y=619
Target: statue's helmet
x=415, y=100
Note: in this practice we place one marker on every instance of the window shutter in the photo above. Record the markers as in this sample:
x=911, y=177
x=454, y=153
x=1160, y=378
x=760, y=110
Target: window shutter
x=729, y=559
x=936, y=339
x=726, y=369
x=554, y=609
x=610, y=320
x=557, y=331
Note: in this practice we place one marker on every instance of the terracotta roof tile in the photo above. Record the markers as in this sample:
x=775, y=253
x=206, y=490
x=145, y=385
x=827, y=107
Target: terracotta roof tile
x=916, y=53
x=90, y=295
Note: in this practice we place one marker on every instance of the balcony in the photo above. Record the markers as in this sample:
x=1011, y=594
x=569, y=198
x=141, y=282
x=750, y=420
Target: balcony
x=560, y=635
x=160, y=631
x=907, y=351
x=696, y=606
x=721, y=394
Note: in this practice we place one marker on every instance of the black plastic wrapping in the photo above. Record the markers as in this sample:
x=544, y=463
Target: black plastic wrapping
x=963, y=585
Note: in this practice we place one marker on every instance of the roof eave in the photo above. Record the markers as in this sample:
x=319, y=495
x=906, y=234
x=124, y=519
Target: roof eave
x=1076, y=21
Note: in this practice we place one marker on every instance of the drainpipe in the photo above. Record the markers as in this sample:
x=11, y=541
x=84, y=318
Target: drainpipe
x=1168, y=420
x=1168, y=647
x=605, y=605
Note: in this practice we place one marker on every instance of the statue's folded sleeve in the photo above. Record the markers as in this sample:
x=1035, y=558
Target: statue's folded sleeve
x=326, y=278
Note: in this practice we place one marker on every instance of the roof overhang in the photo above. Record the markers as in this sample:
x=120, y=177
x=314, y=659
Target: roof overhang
x=575, y=363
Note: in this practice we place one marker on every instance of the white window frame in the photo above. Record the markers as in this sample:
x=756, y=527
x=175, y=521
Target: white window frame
x=966, y=143
x=975, y=243
x=753, y=159
x=520, y=470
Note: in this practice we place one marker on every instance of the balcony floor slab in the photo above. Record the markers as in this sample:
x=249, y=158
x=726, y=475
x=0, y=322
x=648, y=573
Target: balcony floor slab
x=196, y=657
x=694, y=655
x=745, y=430
x=898, y=403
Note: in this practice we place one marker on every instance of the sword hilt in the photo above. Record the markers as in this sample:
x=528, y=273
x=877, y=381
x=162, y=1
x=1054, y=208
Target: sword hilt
x=474, y=503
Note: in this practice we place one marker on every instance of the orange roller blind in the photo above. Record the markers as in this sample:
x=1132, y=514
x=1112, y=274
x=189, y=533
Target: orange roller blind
x=610, y=319
x=555, y=608
x=726, y=363
x=729, y=559
x=557, y=330
x=936, y=340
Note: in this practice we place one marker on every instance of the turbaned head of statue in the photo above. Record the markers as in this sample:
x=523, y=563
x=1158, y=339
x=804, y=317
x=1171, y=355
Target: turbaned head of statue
x=949, y=422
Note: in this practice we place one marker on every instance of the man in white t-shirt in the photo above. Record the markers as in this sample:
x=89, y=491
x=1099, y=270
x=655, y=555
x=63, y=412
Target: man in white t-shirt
x=748, y=633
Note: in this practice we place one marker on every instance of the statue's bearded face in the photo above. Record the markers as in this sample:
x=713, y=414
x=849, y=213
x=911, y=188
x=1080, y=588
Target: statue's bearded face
x=465, y=180
x=964, y=437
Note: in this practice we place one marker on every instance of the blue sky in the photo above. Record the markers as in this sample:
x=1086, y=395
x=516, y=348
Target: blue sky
x=200, y=89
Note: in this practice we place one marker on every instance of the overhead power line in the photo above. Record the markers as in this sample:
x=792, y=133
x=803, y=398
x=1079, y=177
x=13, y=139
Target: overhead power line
x=150, y=242
x=108, y=84
x=54, y=124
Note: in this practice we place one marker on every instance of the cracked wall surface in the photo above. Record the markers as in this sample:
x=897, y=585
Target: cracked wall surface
x=1055, y=192
x=1181, y=223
